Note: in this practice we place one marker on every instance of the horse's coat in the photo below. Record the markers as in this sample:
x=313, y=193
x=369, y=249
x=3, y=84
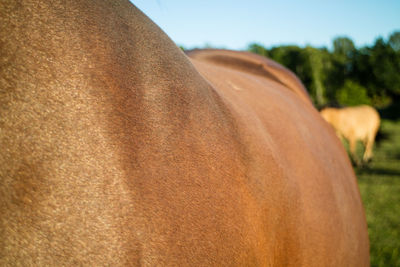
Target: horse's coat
x=355, y=123
x=117, y=150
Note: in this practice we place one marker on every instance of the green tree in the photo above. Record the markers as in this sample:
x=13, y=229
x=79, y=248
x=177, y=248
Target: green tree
x=385, y=64
x=394, y=41
x=343, y=46
x=257, y=49
x=352, y=94
x=319, y=63
x=342, y=66
x=338, y=76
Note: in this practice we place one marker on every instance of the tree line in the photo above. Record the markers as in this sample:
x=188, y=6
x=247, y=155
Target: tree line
x=345, y=75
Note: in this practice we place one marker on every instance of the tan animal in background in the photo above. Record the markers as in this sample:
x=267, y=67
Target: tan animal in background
x=355, y=123
x=116, y=149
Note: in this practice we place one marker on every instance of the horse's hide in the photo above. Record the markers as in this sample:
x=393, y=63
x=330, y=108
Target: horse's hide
x=117, y=150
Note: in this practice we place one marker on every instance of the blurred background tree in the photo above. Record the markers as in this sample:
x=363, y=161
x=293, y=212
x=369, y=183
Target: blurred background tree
x=352, y=94
x=345, y=75
x=394, y=41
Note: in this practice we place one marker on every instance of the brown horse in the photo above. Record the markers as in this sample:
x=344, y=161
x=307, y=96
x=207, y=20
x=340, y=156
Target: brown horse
x=355, y=123
x=117, y=150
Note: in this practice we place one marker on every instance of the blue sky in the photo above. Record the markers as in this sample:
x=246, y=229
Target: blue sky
x=234, y=24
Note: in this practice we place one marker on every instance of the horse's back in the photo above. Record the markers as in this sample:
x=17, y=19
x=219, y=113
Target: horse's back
x=252, y=64
x=278, y=126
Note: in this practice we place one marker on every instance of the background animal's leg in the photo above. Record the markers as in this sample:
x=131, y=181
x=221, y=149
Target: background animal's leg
x=352, y=144
x=369, y=143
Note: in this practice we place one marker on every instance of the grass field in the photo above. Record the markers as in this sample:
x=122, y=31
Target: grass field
x=380, y=190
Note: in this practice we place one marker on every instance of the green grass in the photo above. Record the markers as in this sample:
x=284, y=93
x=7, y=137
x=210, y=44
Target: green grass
x=380, y=191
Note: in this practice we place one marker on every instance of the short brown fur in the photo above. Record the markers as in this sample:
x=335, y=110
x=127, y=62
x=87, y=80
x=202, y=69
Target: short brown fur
x=116, y=151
